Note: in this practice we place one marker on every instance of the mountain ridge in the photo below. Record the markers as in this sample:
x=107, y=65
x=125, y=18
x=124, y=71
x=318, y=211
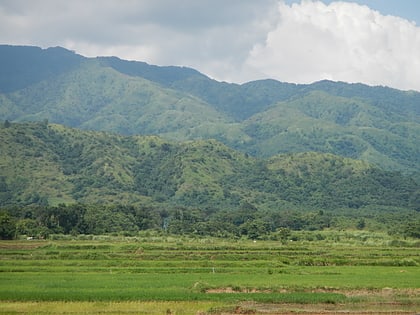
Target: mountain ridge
x=262, y=118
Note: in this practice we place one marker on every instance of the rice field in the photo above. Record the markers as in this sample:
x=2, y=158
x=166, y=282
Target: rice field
x=180, y=275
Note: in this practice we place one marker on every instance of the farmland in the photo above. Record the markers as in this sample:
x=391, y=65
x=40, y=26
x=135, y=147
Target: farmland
x=152, y=273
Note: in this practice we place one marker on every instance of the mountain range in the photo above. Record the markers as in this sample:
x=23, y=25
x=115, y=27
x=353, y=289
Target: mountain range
x=114, y=142
x=263, y=118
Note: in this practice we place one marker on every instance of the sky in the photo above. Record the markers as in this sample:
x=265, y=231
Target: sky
x=376, y=42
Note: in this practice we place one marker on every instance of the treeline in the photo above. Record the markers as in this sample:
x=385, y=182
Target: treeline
x=246, y=221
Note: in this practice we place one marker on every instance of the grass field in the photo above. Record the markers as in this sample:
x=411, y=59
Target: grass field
x=367, y=274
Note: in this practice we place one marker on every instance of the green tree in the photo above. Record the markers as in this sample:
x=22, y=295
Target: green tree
x=27, y=227
x=361, y=224
x=412, y=229
x=7, y=226
x=283, y=234
x=254, y=229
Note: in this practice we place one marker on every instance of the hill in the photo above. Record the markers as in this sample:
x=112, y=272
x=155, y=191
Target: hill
x=261, y=118
x=47, y=163
x=55, y=179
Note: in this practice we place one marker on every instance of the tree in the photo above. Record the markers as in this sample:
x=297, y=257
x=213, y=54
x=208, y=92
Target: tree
x=27, y=227
x=7, y=226
x=283, y=234
x=361, y=224
x=254, y=229
x=412, y=229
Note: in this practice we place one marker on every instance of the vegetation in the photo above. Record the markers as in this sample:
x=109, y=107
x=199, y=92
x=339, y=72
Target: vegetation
x=262, y=118
x=344, y=270
x=207, y=197
x=60, y=180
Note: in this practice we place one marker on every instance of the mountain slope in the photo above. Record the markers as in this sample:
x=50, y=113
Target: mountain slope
x=262, y=118
x=237, y=101
x=98, y=98
x=22, y=66
x=349, y=127
x=45, y=163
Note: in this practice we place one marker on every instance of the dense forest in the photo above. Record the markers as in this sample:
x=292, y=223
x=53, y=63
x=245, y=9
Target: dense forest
x=56, y=179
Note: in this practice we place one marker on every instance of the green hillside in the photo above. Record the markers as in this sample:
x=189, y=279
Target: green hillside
x=352, y=128
x=50, y=172
x=47, y=163
x=261, y=118
x=98, y=98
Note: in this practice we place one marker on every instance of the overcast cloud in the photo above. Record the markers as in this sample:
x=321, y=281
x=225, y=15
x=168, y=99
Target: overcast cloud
x=236, y=40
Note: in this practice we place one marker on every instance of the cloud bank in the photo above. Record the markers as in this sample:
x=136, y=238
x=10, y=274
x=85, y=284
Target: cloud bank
x=342, y=42
x=237, y=40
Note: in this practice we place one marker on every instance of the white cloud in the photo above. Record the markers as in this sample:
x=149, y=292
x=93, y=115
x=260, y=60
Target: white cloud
x=214, y=36
x=235, y=40
x=341, y=41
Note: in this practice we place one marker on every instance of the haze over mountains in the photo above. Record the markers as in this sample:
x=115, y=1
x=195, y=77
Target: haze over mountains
x=262, y=118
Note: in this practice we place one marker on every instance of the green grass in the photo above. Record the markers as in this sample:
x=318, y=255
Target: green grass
x=145, y=287
x=112, y=285
x=216, y=272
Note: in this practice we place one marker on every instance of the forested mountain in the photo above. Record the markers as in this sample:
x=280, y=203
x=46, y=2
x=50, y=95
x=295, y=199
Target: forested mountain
x=49, y=164
x=62, y=179
x=261, y=118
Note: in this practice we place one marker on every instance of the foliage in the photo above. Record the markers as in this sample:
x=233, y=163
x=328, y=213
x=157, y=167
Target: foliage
x=262, y=118
x=303, y=186
x=7, y=226
x=72, y=181
x=62, y=180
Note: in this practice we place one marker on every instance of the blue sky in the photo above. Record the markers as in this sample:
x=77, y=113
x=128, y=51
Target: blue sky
x=369, y=41
x=408, y=9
